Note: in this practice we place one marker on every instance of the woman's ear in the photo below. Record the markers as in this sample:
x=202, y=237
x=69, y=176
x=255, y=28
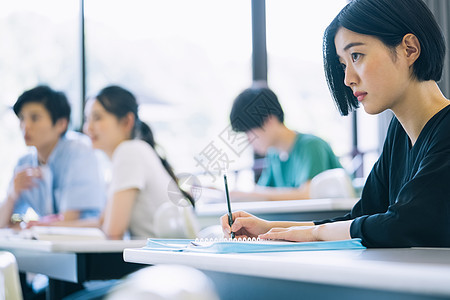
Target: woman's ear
x=128, y=122
x=411, y=47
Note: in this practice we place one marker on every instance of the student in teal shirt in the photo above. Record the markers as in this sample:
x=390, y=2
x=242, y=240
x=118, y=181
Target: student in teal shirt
x=292, y=158
x=309, y=156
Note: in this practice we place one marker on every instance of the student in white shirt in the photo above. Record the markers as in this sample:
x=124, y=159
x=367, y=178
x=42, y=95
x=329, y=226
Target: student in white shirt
x=138, y=192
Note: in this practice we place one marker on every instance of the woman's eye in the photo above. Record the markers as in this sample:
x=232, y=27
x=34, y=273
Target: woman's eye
x=343, y=66
x=95, y=117
x=356, y=56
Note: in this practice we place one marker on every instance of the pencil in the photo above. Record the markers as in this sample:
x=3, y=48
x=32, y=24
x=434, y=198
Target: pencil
x=230, y=215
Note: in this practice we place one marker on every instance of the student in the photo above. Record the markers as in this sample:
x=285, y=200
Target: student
x=386, y=55
x=60, y=181
x=292, y=158
x=138, y=191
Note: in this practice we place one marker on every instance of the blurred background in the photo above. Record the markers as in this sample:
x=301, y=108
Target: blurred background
x=185, y=61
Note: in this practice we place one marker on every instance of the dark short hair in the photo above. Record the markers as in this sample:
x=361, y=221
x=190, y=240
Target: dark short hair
x=389, y=21
x=55, y=102
x=252, y=107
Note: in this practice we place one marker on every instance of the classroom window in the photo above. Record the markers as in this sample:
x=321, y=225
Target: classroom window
x=40, y=45
x=185, y=61
x=294, y=47
x=295, y=72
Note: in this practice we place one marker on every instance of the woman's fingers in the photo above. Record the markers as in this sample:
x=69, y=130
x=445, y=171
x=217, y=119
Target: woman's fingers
x=236, y=216
x=246, y=223
x=295, y=234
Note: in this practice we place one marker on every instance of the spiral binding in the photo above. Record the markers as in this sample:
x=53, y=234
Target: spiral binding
x=217, y=240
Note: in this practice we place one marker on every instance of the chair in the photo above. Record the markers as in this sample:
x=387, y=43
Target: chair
x=165, y=282
x=333, y=183
x=171, y=221
x=9, y=277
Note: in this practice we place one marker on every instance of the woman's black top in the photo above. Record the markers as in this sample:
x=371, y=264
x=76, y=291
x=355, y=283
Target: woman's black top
x=406, y=199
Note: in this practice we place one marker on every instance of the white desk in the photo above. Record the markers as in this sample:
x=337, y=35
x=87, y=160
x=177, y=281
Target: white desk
x=289, y=210
x=70, y=263
x=340, y=274
x=77, y=246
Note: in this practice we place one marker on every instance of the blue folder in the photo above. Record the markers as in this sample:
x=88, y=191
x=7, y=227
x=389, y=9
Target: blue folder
x=224, y=246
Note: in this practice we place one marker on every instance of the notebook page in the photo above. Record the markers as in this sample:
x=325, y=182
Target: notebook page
x=209, y=242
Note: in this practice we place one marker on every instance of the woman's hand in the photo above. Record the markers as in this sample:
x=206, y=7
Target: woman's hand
x=244, y=225
x=310, y=232
x=294, y=234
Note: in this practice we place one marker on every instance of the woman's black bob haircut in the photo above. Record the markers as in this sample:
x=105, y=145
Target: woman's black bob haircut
x=389, y=21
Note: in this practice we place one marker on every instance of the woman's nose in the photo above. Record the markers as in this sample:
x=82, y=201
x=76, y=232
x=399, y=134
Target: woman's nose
x=87, y=127
x=351, y=78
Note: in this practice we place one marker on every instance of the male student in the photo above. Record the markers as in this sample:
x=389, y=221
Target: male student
x=60, y=181
x=292, y=158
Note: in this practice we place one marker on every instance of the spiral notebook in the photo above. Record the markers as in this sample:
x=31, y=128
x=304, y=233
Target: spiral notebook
x=246, y=245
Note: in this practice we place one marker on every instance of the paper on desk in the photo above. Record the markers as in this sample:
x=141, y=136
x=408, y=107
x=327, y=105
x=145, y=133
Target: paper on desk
x=52, y=233
x=184, y=245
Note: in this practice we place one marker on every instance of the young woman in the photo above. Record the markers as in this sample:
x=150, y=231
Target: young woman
x=386, y=55
x=138, y=199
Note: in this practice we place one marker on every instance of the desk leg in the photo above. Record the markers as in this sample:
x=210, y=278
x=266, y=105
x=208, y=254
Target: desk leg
x=27, y=291
x=57, y=289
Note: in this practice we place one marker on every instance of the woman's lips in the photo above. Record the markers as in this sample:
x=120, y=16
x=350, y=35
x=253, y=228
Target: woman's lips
x=360, y=95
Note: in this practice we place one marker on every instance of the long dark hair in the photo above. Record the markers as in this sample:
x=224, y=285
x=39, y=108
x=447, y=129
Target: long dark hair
x=389, y=21
x=119, y=102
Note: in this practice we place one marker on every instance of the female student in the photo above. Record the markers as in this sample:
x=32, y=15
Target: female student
x=138, y=192
x=385, y=55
